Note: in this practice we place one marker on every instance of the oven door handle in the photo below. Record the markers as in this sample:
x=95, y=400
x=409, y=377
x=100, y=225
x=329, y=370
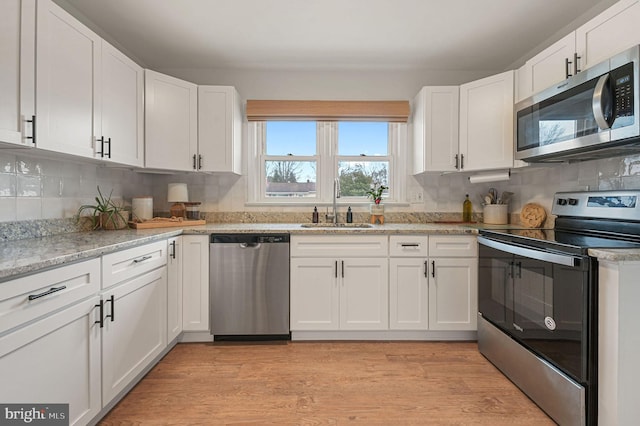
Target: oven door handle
x=544, y=256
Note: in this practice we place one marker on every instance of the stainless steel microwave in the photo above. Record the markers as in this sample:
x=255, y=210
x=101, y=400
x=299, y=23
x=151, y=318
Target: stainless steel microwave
x=593, y=114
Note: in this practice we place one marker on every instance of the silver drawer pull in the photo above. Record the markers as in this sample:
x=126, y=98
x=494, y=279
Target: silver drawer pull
x=46, y=293
x=142, y=259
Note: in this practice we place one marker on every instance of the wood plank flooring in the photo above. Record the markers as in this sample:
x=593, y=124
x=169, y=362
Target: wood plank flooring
x=326, y=383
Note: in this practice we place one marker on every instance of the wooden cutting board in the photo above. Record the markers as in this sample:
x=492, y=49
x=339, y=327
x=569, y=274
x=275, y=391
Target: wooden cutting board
x=166, y=224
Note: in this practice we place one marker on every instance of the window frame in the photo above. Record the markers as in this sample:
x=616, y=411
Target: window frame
x=327, y=159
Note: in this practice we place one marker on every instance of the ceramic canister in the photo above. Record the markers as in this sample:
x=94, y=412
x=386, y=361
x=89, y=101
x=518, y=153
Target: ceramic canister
x=142, y=208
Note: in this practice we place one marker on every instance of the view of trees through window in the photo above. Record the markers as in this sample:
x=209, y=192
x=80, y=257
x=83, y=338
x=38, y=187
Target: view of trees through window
x=292, y=156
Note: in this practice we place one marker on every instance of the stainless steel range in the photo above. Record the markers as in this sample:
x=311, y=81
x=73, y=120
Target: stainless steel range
x=538, y=299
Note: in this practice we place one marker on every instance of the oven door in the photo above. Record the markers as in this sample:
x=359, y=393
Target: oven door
x=543, y=300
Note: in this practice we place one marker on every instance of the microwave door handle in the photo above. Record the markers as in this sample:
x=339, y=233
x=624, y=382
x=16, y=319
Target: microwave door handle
x=596, y=103
x=543, y=256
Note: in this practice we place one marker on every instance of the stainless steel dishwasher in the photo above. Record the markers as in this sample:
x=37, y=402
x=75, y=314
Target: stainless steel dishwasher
x=249, y=286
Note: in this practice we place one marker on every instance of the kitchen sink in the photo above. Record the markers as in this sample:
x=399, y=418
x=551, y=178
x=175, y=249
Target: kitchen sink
x=335, y=225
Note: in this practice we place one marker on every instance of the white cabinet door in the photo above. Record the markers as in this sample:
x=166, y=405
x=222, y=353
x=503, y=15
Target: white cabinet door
x=68, y=64
x=552, y=65
x=314, y=294
x=122, y=94
x=486, y=123
x=364, y=294
x=408, y=293
x=195, y=283
x=219, y=129
x=435, y=129
x=55, y=360
x=453, y=294
x=17, y=70
x=611, y=32
x=135, y=329
x=171, y=122
x=174, y=288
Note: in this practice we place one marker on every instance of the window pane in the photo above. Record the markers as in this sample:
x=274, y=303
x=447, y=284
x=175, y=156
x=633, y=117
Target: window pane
x=358, y=138
x=291, y=178
x=291, y=137
x=358, y=177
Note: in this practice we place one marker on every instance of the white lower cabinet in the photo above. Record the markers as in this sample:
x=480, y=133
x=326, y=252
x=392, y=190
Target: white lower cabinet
x=339, y=293
x=195, y=283
x=408, y=294
x=55, y=360
x=135, y=329
x=174, y=288
x=453, y=283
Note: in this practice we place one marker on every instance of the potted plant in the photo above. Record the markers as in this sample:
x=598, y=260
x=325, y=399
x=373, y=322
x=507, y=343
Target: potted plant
x=104, y=214
x=375, y=193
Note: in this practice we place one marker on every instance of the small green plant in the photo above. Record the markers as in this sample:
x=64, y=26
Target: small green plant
x=375, y=192
x=104, y=213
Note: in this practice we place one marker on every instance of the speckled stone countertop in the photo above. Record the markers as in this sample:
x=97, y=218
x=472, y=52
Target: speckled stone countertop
x=616, y=255
x=26, y=256
x=30, y=255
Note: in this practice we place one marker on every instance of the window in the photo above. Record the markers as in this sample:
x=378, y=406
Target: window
x=297, y=161
x=290, y=160
x=363, y=157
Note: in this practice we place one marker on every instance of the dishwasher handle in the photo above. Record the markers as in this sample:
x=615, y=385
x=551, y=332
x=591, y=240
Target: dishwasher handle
x=250, y=245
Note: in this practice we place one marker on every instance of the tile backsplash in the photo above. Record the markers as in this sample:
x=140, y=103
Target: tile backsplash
x=33, y=187
x=36, y=187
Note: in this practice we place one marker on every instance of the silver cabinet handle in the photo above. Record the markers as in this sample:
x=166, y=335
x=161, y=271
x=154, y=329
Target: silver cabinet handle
x=46, y=293
x=142, y=259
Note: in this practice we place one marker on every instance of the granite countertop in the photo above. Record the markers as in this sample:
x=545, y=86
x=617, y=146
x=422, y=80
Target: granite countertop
x=26, y=256
x=616, y=255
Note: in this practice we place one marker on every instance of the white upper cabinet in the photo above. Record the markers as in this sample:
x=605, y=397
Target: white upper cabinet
x=486, y=123
x=219, y=129
x=554, y=64
x=119, y=133
x=67, y=66
x=613, y=31
x=171, y=123
x=610, y=32
x=89, y=96
x=17, y=72
x=435, y=129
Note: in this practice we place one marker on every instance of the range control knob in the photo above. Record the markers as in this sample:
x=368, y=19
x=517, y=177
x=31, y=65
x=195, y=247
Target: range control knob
x=562, y=201
x=573, y=201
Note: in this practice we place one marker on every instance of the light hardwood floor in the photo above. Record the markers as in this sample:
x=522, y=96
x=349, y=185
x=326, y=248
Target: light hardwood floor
x=326, y=383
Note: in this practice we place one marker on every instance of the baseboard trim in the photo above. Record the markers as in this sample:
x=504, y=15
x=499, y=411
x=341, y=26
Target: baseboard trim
x=384, y=335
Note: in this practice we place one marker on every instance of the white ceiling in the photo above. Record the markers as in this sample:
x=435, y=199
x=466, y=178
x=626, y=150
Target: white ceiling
x=331, y=34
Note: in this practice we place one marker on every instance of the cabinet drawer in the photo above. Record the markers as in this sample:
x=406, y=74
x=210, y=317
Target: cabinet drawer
x=408, y=245
x=126, y=264
x=453, y=246
x=339, y=246
x=49, y=291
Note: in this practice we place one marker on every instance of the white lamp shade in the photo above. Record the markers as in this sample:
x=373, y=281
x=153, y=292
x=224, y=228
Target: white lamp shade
x=178, y=193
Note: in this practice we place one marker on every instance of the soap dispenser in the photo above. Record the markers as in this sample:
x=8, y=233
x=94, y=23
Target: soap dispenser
x=315, y=216
x=349, y=215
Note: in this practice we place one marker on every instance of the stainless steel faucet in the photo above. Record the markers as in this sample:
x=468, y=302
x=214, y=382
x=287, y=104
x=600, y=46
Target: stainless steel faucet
x=336, y=194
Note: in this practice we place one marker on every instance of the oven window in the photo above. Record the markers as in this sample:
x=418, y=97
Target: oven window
x=541, y=304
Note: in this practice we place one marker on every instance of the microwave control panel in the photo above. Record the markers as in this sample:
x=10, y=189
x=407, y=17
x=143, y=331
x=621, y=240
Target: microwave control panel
x=622, y=81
